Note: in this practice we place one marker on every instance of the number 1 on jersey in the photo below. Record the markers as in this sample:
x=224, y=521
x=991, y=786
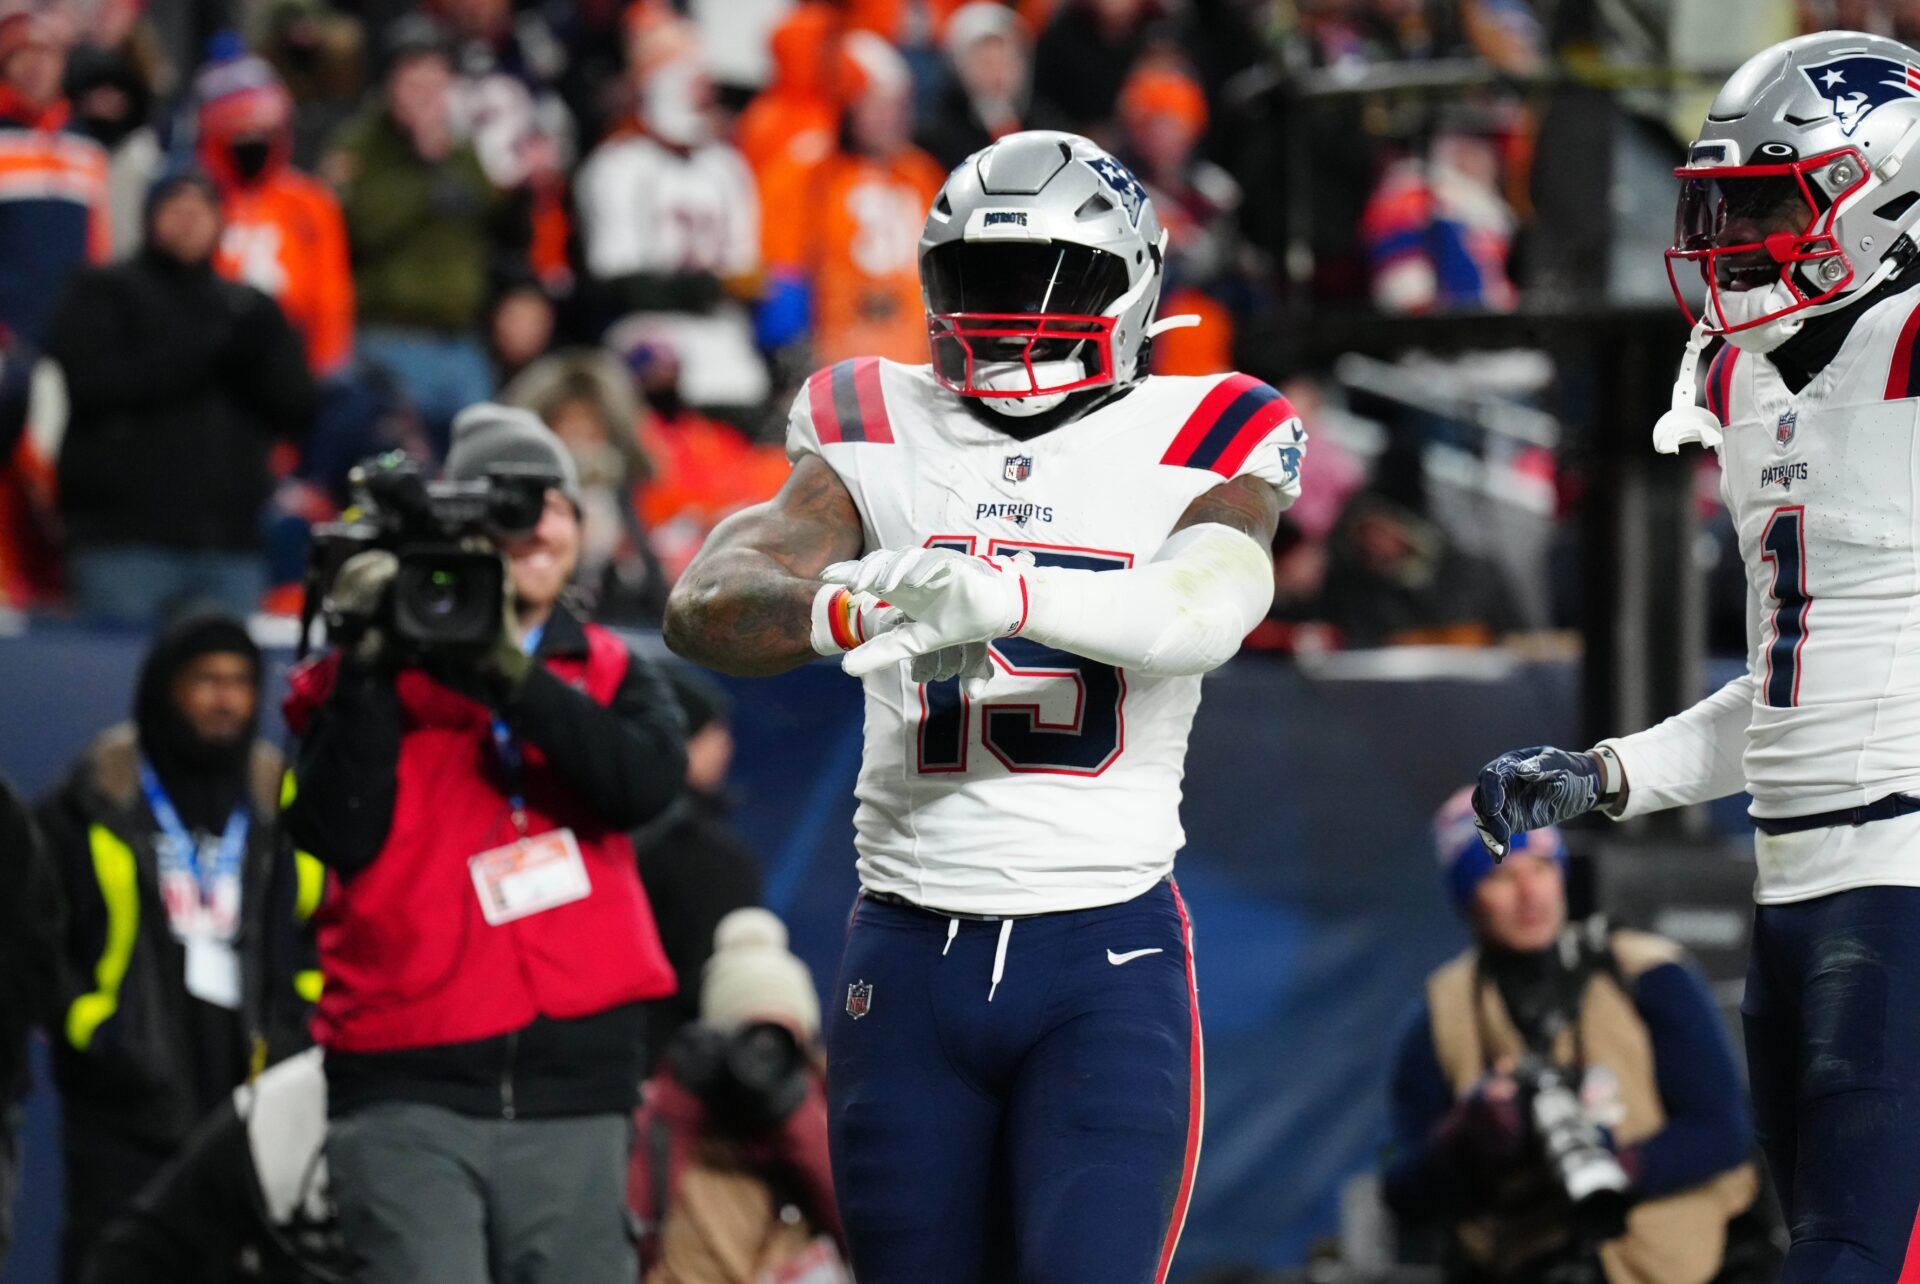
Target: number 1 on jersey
x=1784, y=544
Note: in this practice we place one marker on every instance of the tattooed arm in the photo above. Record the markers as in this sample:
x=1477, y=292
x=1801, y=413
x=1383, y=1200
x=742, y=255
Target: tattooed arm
x=1245, y=504
x=744, y=605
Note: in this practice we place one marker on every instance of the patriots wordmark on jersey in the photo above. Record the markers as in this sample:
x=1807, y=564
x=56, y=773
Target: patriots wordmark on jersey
x=1059, y=788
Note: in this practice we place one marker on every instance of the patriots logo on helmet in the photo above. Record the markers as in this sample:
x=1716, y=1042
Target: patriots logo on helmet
x=1124, y=184
x=1856, y=84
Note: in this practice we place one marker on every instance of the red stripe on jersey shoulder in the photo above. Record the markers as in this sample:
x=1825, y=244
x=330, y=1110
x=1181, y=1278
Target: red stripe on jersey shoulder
x=873, y=406
x=1204, y=416
x=847, y=404
x=1902, y=379
x=826, y=421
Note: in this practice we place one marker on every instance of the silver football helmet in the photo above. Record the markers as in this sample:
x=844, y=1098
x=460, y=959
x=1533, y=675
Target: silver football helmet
x=1040, y=264
x=1799, y=194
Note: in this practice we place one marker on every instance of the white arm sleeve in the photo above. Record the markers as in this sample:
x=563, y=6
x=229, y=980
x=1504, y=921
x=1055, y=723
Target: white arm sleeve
x=1692, y=757
x=1186, y=611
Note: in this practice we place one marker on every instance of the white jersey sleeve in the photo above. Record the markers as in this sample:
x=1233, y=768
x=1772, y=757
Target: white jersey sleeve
x=1692, y=757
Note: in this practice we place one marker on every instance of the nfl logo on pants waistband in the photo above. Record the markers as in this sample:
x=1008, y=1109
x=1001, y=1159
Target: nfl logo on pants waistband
x=859, y=999
x=1018, y=468
x=1783, y=433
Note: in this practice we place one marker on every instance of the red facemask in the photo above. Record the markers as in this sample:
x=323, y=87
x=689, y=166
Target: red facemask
x=1809, y=263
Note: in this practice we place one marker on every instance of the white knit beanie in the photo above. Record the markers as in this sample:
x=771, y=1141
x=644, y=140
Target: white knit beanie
x=752, y=976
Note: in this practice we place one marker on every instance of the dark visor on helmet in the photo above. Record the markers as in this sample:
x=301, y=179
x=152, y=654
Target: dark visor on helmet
x=1035, y=280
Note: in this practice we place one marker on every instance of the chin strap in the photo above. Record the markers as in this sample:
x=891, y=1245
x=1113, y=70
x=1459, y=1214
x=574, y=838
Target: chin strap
x=1686, y=422
x=1180, y=321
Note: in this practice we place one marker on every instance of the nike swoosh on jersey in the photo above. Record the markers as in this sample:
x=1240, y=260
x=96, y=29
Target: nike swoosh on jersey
x=1129, y=956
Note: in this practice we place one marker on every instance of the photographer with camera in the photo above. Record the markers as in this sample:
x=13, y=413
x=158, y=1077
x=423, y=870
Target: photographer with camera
x=1564, y=1100
x=486, y=943
x=730, y=1177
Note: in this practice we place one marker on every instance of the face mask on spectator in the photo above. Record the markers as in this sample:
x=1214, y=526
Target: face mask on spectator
x=249, y=157
x=673, y=105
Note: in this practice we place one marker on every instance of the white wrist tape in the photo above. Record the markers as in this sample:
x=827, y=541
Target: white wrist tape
x=1184, y=612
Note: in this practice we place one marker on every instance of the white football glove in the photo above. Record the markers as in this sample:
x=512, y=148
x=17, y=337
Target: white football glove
x=843, y=619
x=953, y=599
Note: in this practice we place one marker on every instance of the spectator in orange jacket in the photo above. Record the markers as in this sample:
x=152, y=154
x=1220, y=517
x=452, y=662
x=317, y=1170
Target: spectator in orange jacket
x=797, y=111
x=851, y=229
x=284, y=231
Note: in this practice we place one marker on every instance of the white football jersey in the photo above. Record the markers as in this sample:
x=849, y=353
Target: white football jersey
x=1824, y=489
x=1060, y=788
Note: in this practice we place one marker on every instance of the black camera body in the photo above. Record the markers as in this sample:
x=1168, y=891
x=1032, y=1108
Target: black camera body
x=750, y=1078
x=448, y=592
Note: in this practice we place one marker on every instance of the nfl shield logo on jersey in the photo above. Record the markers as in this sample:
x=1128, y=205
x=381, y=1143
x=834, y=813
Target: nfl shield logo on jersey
x=1783, y=433
x=1017, y=468
x=859, y=999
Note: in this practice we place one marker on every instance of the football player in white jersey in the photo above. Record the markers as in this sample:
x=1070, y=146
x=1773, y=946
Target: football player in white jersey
x=1797, y=209
x=1056, y=547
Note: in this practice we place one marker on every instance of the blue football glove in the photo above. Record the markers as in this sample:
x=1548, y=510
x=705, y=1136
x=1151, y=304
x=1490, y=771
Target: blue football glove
x=1527, y=789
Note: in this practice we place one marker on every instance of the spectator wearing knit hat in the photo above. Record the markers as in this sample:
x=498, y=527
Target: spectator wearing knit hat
x=1628, y=1022
x=488, y=947
x=284, y=232
x=1162, y=117
x=53, y=209
x=729, y=1173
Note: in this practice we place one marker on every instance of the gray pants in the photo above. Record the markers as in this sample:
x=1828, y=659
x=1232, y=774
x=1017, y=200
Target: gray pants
x=427, y=1196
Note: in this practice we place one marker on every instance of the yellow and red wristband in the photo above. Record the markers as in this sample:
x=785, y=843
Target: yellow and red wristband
x=837, y=623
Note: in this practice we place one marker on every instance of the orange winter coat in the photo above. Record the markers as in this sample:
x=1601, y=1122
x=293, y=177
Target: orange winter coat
x=285, y=236
x=851, y=226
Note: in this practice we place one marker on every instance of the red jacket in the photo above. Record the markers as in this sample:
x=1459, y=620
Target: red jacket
x=409, y=959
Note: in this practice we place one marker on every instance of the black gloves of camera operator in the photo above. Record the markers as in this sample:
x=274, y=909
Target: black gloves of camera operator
x=359, y=614
x=1487, y=1129
x=1526, y=789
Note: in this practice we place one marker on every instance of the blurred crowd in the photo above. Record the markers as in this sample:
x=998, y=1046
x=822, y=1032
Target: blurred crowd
x=247, y=243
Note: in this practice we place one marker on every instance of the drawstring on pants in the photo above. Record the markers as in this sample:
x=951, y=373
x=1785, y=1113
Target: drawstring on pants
x=999, y=952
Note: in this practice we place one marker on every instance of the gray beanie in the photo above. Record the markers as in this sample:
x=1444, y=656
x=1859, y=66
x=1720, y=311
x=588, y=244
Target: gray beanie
x=487, y=433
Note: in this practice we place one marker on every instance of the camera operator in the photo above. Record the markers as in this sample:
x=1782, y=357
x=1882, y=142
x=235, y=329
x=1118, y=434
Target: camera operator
x=1564, y=1101
x=487, y=945
x=730, y=1176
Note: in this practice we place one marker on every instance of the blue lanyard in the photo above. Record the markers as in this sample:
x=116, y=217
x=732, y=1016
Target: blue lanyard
x=181, y=849
x=509, y=749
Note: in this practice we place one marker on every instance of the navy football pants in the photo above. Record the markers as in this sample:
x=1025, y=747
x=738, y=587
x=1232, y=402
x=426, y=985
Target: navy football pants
x=1043, y=1129
x=1832, y=1017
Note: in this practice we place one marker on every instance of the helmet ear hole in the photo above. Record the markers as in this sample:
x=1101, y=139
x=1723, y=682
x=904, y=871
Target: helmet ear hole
x=1894, y=210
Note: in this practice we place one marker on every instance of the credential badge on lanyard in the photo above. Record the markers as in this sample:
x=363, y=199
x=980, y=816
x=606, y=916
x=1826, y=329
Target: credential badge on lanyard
x=200, y=885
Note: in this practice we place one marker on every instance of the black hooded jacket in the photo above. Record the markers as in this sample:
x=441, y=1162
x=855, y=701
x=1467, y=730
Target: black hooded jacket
x=135, y=1053
x=180, y=383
